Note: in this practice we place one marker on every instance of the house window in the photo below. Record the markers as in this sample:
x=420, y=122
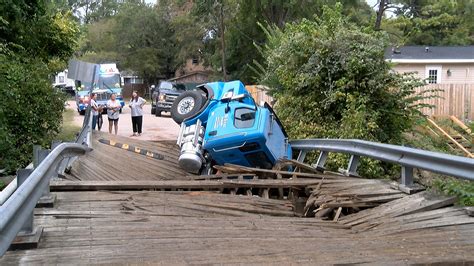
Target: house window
x=61, y=79
x=195, y=61
x=433, y=74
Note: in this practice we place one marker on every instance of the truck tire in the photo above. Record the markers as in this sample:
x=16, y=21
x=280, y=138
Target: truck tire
x=157, y=113
x=186, y=105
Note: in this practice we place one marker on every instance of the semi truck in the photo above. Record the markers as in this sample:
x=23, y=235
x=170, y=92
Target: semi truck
x=221, y=123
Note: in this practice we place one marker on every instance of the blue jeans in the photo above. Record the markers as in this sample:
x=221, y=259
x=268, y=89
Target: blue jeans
x=94, y=121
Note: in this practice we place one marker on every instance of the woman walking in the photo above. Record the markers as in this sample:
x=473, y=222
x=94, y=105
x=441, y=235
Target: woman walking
x=136, y=104
x=113, y=112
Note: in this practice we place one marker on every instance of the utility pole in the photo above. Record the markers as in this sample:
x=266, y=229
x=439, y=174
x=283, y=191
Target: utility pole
x=222, y=26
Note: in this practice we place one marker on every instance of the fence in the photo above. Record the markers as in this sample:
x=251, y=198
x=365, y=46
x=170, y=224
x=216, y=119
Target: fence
x=451, y=99
x=259, y=93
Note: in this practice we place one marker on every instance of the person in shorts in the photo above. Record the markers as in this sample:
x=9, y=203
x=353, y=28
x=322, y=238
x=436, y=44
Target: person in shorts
x=113, y=112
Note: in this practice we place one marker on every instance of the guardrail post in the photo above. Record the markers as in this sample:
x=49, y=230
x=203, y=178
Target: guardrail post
x=323, y=156
x=406, y=182
x=29, y=236
x=352, y=167
x=47, y=199
x=36, y=149
x=301, y=156
x=407, y=176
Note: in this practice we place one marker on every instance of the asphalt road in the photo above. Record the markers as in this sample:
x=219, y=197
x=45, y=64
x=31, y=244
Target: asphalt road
x=154, y=128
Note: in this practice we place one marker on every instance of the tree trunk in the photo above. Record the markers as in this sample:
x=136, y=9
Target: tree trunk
x=378, y=21
x=222, y=26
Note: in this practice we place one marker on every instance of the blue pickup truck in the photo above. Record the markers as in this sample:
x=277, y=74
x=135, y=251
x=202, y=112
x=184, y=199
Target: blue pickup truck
x=221, y=123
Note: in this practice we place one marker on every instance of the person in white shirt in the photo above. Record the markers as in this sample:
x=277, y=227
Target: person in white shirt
x=113, y=112
x=136, y=104
x=94, y=110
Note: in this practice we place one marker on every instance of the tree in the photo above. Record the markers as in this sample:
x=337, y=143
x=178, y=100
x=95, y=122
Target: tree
x=36, y=41
x=433, y=22
x=331, y=80
x=139, y=37
x=241, y=20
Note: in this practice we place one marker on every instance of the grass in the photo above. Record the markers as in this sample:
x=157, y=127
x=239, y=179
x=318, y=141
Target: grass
x=2, y=185
x=68, y=129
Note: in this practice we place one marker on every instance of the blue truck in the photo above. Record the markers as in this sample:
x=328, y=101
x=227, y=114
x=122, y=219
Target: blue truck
x=221, y=123
x=107, y=81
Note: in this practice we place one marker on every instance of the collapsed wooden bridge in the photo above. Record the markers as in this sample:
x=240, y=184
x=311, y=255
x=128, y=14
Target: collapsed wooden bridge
x=119, y=205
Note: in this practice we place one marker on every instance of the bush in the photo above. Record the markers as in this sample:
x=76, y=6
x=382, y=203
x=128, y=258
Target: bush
x=463, y=190
x=35, y=42
x=331, y=80
x=30, y=113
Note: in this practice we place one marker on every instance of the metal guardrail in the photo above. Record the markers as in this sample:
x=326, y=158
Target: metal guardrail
x=31, y=185
x=408, y=158
x=84, y=137
x=18, y=209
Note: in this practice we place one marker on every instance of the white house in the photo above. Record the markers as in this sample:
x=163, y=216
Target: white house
x=437, y=64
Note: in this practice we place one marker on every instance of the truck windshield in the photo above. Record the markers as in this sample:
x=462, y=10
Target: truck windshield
x=109, y=81
x=172, y=86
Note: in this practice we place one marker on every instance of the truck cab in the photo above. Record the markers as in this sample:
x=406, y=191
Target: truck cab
x=108, y=82
x=221, y=123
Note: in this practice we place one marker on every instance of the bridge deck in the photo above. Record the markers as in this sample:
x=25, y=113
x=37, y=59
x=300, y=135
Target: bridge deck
x=187, y=227
x=206, y=227
x=110, y=163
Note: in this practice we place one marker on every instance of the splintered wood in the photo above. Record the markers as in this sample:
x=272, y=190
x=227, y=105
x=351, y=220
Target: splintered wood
x=153, y=227
x=349, y=194
x=120, y=207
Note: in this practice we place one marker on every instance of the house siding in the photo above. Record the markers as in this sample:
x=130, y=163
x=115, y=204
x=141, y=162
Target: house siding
x=460, y=73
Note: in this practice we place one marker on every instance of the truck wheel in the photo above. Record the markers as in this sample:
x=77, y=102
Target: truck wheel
x=157, y=113
x=186, y=105
x=83, y=112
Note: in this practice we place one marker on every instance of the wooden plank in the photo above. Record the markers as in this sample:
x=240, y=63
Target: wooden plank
x=230, y=168
x=177, y=184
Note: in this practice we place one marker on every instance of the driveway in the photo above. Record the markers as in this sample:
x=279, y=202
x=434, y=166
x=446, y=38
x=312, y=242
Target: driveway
x=154, y=128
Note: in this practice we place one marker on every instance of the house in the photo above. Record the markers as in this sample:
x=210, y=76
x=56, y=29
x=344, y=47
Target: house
x=132, y=82
x=61, y=79
x=192, y=71
x=436, y=64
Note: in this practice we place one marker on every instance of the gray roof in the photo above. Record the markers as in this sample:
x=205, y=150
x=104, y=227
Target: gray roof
x=430, y=52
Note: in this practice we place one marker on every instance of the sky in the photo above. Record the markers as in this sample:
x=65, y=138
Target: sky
x=370, y=2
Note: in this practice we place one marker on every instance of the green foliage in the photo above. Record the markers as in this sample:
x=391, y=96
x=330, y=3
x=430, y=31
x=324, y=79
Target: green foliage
x=2, y=185
x=138, y=37
x=462, y=189
x=68, y=128
x=35, y=42
x=443, y=22
x=330, y=80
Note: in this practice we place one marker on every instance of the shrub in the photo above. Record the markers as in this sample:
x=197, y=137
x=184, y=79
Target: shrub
x=331, y=80
x=30, y=113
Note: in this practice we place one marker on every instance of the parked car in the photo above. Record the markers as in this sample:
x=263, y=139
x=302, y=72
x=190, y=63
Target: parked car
x=164, y=95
